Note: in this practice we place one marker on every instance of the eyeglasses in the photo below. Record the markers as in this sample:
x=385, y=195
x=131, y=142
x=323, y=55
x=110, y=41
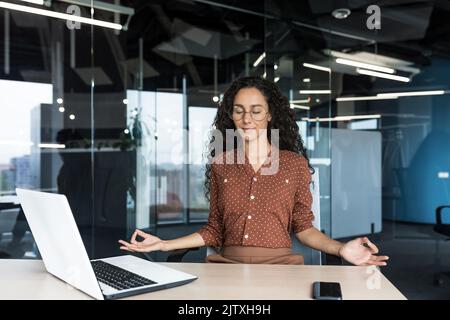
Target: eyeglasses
x=257, y=113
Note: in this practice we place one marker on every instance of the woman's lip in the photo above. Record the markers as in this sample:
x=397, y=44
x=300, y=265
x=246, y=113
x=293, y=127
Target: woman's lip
x=246, y=129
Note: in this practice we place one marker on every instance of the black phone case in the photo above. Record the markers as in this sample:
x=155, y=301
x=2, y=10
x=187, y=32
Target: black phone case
x=317, y=295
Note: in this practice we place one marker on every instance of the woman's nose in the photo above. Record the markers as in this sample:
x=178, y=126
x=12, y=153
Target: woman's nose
x=247, y=117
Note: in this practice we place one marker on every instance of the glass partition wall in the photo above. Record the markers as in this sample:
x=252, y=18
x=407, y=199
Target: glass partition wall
x=118, y=120
x=46, y=136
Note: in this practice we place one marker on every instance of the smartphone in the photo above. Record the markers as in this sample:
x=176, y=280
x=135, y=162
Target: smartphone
x=327, y=291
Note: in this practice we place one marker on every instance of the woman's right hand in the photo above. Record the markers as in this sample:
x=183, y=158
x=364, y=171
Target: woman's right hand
x=149, y=244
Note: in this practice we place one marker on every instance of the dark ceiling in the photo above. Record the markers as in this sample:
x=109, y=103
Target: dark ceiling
x=182, y=37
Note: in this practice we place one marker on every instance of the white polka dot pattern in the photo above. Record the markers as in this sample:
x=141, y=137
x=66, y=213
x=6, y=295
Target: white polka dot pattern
x=251, y=209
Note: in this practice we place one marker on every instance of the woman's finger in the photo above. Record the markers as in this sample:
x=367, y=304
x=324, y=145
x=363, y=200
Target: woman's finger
x=133, y=237
x=142, y=233
x=141, y=250
x=129, y=245
x=126, y=249
x=371, y=246
x=132, y=246
x=124, y=243
x=379, y=258
x=376, y=263
x=136, y=248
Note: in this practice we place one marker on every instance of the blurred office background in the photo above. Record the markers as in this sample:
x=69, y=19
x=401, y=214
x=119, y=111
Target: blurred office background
x=116, y=116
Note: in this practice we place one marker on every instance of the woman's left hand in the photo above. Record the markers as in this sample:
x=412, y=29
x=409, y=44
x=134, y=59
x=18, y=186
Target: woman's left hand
x=358, y=254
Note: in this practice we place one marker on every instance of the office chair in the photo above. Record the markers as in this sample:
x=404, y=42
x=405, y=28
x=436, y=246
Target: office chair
x=311, y=256
x=444, y=229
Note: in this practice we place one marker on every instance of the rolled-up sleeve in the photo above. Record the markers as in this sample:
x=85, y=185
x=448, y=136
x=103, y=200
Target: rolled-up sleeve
x=212, y=232
x=302, y=215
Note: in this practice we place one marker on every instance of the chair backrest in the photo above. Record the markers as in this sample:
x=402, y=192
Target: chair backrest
x=311, y=256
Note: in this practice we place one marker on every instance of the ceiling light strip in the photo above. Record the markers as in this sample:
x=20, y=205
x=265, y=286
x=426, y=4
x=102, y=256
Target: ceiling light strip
x=52, y=145
x=317, y=67
x=40, y=2
x=343, y=118
x=412, y=93
x=315, y=91
x=297, y=106
x=365, y=65
x=260, y=58
x=59, y=15
x=365, y=98
x=383, y=75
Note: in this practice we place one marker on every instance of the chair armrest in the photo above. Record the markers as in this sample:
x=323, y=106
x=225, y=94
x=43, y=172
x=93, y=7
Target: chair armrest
x=439, y=214
x=177, y=255
x=331, y=260
x=145, y=255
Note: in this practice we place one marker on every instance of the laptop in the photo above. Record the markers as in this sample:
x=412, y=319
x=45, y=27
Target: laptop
x=64, y=255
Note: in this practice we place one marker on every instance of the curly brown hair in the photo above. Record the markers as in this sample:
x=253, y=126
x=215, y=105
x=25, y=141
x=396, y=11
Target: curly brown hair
x=283, y=118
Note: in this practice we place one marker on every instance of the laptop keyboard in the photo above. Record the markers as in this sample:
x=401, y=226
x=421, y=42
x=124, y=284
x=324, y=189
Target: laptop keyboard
x=118, y=278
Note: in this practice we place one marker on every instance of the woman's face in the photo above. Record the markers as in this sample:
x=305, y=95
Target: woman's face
x=250, y=113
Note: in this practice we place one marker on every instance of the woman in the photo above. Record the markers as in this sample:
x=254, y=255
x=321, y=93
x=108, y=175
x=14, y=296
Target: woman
x=251, y=213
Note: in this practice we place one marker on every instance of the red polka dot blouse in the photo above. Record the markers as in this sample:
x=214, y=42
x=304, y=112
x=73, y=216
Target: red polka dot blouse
x=248, y=208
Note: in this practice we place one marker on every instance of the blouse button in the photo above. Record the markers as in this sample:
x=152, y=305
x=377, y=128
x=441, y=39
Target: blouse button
x=225, y=180
x=246, y=236
x=252, y=197
x=287, y=181
x=249, y=217
x=254, y=179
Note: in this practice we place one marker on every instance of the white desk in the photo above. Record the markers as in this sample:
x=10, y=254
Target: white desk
x=27, y=279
